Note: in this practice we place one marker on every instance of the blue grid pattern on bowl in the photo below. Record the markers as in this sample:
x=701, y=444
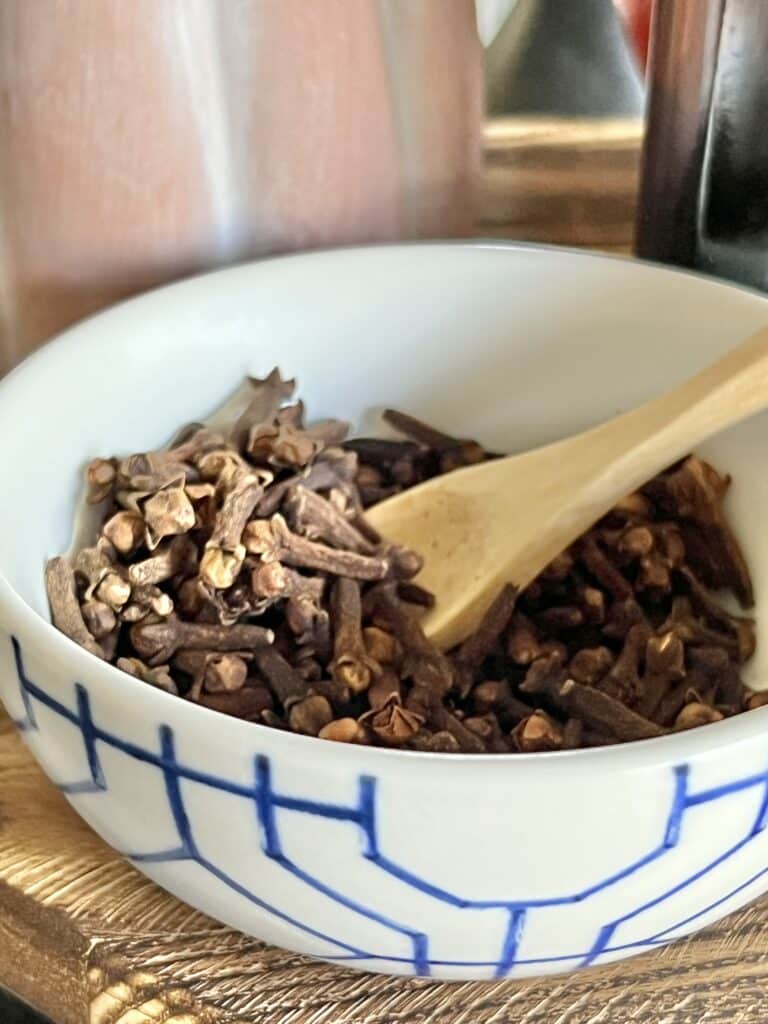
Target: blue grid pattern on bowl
x=364, y=816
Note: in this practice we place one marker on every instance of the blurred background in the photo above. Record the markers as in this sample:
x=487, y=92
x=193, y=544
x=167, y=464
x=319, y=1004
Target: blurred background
x=143, y=141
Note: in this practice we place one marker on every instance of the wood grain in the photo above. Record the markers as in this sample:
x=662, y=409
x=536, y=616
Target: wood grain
x=564, y=181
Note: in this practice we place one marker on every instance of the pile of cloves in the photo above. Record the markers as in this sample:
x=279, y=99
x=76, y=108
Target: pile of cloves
x=237, y=569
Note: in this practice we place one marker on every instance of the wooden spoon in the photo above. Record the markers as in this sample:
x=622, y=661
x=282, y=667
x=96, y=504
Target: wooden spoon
x=504, y=520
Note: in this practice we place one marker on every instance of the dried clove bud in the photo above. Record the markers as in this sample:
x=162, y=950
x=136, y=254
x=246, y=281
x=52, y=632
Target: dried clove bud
x=329, y=433
x=433, y=742
x=284, y=681
x=191, y=598
x=590, y=665
x=156, y=642
x=225, y=673
x=251, y=704
x=636, y=542
x=382, y=647
x=573, y=734
x=522, y=640
x=695, y=714
x=741, y=630
x=274, y=542
x=167, y=513
x=423, y=662
x=92, y=564
x=113, y=591
x=99, y=618
x=496, y=697
x=455, y=451
x=632, y=507
x=394, y=724
x=735, y=635
x=537, y=732
x=592, y=603
x=559, y=569
x=158, y=676
x=351, y=663
x=343, y=730
x=693, y=493
x=479, y=645
x=265, y=398
x=664, y=666
x=272, y=581
x=100, y=475
x=384, y=690
x=376, y=453
x=327, y=473
x=412, y=593
x=605, y=713
x=146, y=599
x=469, y=742
x=309, y=623
x=310, y=715
x=224, y=552
x=65, y=609
x=125, y=531
x=317, y=519
x=170, y=559
x=282, y=444
x=598, y=565
x=544, y=676
x=623, y=678
x=559, y=618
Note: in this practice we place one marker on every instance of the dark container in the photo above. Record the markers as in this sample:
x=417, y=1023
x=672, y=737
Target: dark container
x=704, y=188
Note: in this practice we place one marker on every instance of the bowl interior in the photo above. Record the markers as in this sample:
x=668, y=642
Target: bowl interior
x=516, y=346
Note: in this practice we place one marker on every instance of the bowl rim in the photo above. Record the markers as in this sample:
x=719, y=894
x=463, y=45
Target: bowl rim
x=658, y=751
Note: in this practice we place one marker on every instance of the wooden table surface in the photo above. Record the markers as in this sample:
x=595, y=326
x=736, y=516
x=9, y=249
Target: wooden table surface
x=88, y=940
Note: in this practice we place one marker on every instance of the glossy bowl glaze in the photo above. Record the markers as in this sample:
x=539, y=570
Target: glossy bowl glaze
x=449, y=866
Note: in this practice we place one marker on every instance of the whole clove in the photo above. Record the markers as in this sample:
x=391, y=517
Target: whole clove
x=251, y=703
x=310, y=715
x=539, y=731
x=158, y=641
x=66, y=610
x=351, y=665
x=273, y=541
x=343, y=730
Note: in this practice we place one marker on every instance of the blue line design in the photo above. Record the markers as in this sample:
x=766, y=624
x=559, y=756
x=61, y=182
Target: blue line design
x=28, y=722
x=762, y=815
x=265, y=804
x=332, y=811
x=173, y=789
x=706, y=910
x=511, y=942
x=365, y=816
x=668, y=842
x=265, y=808
x=188, y=850
x=96, y=783
x=606, y=932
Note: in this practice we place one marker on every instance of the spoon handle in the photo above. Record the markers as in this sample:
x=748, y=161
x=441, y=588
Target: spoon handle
x=636, y=445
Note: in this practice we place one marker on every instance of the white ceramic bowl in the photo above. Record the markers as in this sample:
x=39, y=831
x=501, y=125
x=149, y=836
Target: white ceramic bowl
x=455, y=867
